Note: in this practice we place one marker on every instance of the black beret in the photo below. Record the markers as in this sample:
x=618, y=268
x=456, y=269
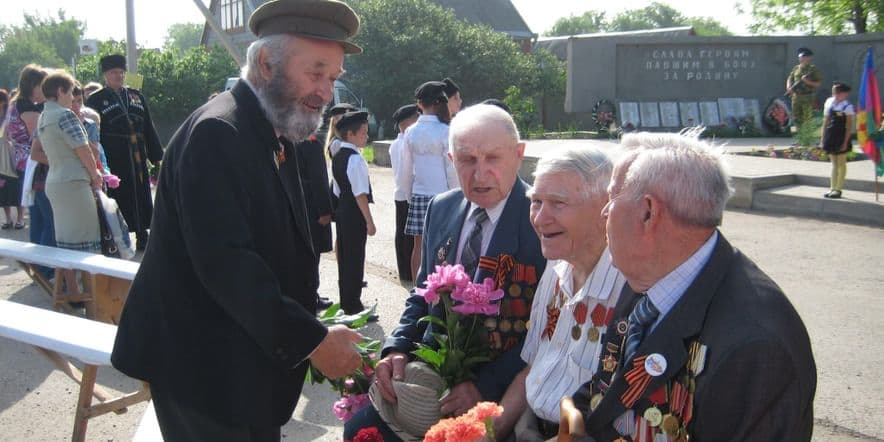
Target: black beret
x=431, y=91
x=805, y=52
x=405, y=112
x=341, y=108
x=321, y=19
x=451, y=87
x=114, y=61
x=351, y=120
x=498, y=103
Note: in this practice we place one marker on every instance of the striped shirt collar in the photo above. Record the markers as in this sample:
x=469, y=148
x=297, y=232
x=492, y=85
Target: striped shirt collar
x=668, y=290
x=592, y=285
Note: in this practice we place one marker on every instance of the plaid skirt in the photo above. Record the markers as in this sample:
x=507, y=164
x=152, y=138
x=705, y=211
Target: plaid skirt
x=417, y=212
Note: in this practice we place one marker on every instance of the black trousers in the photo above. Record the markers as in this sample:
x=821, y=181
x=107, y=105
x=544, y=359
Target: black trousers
x=404, y=243
x=178, y=422
x=351, y=238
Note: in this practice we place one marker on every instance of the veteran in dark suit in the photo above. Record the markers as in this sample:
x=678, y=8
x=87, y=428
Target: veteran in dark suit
x=705, y=346
x=485, y=150
x=130, y=141
x=220, y=319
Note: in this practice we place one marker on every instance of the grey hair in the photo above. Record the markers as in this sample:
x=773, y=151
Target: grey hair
x=590, y=163
x=689, y=175
x=276, y=45
x=481, y=116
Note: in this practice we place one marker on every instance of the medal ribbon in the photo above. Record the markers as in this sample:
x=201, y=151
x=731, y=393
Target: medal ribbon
x=638, y=379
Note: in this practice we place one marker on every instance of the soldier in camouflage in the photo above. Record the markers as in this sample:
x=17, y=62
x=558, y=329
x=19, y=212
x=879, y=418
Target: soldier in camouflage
x=801, y=85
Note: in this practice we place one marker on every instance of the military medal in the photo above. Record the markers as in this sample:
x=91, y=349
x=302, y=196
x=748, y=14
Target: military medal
x=670, y=425
x=515, y=290
x=654, y=416
x=580, y=310
x=595, y=401
x=622, y=327
x=609, y=364
x=592, y=334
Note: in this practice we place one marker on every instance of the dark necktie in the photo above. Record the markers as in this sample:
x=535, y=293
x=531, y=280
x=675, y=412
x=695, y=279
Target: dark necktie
x=643, y=315
x=469, y=258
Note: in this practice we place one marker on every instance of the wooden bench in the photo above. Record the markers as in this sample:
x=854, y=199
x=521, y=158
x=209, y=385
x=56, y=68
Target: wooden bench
x=59, y=336
x=106, y=280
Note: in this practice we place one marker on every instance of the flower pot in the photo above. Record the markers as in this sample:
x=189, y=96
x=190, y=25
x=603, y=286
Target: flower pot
x=417, y=405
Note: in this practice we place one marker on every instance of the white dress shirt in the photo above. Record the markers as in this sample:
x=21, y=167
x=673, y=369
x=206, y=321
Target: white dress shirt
x=487, y=228
x=560, y=365
x=357, y=173
x=396, y=147
x=425, y=158
x=841, y=106
x=669, y=289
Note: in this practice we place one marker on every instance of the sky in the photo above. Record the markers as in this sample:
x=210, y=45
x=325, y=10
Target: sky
x=107, y=18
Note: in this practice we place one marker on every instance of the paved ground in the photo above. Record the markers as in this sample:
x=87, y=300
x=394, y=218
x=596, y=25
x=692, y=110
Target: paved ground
x=831, y=271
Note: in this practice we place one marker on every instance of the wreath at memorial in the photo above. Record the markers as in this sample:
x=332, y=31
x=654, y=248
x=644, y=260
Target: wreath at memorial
x=604, y=114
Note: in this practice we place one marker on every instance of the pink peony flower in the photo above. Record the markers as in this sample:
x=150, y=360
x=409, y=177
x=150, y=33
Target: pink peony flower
x=477, y=298
x=370, y=434
x=347, y=406
x=447, y=277
x=485, y=410
x=112, y=181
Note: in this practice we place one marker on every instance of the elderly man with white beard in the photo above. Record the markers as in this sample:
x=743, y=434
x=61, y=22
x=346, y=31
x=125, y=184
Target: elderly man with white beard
x=220, y=319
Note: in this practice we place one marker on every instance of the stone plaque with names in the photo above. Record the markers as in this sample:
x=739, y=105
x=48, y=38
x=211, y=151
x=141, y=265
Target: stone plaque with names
x=753, y=109
x=709, y=113
x=669, y=114
x=731, y=110
x=629, y=114
x=650, y=114
x=690, y=114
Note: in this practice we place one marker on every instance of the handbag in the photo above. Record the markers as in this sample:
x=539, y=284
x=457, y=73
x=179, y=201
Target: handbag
x=6, y=168
x=117, y=226
x=108, y=245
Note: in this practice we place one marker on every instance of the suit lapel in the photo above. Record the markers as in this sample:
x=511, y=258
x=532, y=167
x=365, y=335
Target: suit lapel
x=291, y=182
x=505, y=239
x=449, y=237
x=669, y=338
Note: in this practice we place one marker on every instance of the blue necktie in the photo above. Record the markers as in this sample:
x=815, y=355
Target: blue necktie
x=643, y=315
x=469, y=258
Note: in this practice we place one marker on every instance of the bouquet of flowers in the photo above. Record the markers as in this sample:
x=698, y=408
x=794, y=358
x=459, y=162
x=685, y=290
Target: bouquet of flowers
x=474, y=426
x=353, y=388
x=459, y=335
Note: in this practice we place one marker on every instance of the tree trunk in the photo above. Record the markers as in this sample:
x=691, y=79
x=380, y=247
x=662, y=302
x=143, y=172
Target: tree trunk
x=860, y=17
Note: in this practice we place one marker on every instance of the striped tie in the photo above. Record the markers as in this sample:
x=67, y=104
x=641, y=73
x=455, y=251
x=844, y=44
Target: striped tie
x=643, y=315
x=469, y=258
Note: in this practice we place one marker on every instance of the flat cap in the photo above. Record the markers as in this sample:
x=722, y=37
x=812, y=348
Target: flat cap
x=404, y=113
x=451, y=87
x=431, y=91
x=114, y=61
x=351, y=120
x=805, y=52
x=321, y=19
x=498, y=103
x=341, y=108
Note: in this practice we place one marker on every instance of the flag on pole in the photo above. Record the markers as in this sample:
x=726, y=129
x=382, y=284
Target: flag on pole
x=868, y=116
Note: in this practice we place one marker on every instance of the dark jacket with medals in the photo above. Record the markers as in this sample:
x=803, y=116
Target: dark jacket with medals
x=516, y=264
x=129, y=140
x=222, y=310
x=734, y=360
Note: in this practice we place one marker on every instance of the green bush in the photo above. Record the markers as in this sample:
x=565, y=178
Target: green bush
x=809, y=133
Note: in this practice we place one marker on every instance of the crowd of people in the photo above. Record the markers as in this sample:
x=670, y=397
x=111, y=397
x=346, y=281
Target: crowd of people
x=619, y=289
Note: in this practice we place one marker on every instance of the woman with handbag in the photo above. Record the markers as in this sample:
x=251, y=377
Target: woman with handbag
x=21, y=121
x=73, y=173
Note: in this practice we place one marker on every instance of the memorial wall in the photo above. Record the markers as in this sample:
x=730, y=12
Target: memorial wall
x=665, y=83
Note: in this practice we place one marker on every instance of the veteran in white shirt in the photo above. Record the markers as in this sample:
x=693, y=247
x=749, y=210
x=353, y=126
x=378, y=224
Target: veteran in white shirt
x=578, y=290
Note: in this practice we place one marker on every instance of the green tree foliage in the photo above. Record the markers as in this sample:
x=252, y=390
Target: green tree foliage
x=813, y=17
x=408, y=42
x=587, y=23
x=655, y=16
x=49, y=41
x=183, y=36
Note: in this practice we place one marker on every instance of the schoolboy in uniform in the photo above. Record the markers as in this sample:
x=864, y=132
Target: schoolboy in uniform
x=404, y=117
x=838, y=117
x=353, y=221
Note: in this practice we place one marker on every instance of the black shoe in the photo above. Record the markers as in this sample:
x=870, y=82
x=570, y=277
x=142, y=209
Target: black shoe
x=323, y=303
x=141, y=241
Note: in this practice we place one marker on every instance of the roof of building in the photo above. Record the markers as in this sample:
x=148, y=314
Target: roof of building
x=500, y=15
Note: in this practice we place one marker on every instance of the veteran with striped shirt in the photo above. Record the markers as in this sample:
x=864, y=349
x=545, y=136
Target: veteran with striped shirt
x=576, y=292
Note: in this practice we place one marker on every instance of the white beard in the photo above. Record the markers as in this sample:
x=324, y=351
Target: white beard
x=281, y=104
